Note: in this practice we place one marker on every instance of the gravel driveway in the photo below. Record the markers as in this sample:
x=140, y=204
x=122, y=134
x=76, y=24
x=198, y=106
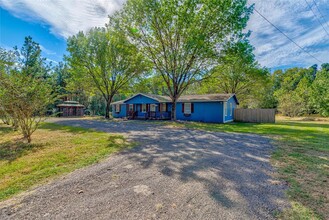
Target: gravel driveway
x=172, y=174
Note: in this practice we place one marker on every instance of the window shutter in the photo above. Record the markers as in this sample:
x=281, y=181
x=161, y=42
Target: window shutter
x=147, y=107
x=166, y=107
x=183, y=107
x=192, y=107
x=119, y=108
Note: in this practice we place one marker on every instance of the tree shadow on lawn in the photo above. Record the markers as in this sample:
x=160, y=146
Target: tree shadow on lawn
x=12, y=150
x=306, y=124
x=5, y=129
x=58, y=127
x=233, y=168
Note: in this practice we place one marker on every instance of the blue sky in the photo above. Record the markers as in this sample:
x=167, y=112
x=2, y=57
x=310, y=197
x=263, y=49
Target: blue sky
x=51, y=22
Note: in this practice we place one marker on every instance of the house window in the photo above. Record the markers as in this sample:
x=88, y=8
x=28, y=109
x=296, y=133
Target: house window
x=187, y=108
x=117, y=108
x=143, y=107
x=231, y=108
x=225, y=108
x=131, y=107
x=163, y=107
x=152, y=107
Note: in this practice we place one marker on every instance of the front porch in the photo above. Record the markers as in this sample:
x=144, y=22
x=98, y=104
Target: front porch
x=148, y=111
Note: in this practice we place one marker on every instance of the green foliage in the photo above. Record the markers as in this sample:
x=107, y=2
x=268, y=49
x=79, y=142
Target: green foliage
x=153, y=84
x=301, y=91
x=7, y=60
x=29, y=58
x=238, y=72
x=104, y=59
x=181, y=38
x=60, y=78
x=320, y=92
x=24, y=91
x=97, y=105
x=56, y=150
x=25, y=99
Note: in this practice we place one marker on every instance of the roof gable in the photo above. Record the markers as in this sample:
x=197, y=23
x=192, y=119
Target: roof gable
x=147, y=97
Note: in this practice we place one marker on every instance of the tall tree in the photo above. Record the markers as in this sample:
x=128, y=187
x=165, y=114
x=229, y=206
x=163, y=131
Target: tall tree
x=24, y=93
x=182, y=38
x=294, y=91
x=238, y=72
x=106, y=58
x=320, y=92
x=30, y=61
x=238, y=69
x=7, y=60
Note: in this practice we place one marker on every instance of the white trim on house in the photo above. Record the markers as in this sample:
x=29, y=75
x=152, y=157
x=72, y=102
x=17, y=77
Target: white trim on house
x=117, y=108
x=225, y=109
x=231, y=108
x=163, y=107
x=143, y=109
x=223, y=113
x=187, y=107
x=231, y=120
x=152, y=107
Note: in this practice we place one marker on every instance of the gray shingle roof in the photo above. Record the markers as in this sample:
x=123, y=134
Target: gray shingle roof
x=206, y=97
x=185, y=98
x=70, y=104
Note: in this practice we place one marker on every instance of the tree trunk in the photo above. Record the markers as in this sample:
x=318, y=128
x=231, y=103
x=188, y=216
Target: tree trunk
x=29, y=139
x=108, y=105
x=173, y=111
x=107, y=111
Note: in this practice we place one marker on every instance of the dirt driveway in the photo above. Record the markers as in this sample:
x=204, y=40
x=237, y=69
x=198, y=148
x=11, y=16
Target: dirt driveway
x=172, y=174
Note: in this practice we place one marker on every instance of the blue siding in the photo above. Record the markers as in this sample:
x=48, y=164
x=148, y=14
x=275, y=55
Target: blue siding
x=122, y=113
x=231, y=105
x=203, y=112
x=139, y=99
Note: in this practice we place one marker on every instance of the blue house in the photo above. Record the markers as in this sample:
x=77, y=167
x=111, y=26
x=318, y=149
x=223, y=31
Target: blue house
x=216, y=108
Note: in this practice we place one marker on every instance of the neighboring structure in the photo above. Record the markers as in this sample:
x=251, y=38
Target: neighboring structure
x=70, y=109
x=217, y=108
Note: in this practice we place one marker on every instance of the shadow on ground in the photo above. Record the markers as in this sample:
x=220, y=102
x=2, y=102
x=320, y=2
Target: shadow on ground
x=221, y=162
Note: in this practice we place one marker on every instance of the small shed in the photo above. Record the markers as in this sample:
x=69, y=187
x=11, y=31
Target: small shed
x=70, y=109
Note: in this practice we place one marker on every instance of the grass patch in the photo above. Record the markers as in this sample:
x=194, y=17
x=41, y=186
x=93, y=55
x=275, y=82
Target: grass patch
x=302, y=159
x=55, y=150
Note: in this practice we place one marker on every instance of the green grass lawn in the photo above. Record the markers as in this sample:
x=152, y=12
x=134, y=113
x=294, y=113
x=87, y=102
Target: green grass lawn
x=302, y=159
x=55, y=150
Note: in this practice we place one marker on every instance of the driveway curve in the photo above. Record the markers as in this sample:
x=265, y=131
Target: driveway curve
x=172, y=174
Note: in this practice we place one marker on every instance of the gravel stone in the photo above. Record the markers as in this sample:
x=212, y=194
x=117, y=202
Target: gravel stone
x=172, y=174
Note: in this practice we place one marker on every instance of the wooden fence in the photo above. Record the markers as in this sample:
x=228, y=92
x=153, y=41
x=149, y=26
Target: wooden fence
x=255, y=115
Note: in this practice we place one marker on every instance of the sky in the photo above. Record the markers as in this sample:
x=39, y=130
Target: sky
x=51, y=22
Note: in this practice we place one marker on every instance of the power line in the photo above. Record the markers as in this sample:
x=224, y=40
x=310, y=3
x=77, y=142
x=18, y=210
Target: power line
x=316, y=5
x=316, y=17
x=286, y=35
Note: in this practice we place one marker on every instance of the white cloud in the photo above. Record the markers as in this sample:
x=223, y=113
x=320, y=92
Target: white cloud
x=296, y=20
x=65, y=17
x=272, y=49
x=47, y=51
x=52, y=61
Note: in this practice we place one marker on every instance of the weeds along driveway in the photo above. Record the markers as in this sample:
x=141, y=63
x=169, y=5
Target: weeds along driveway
x=172, y=174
